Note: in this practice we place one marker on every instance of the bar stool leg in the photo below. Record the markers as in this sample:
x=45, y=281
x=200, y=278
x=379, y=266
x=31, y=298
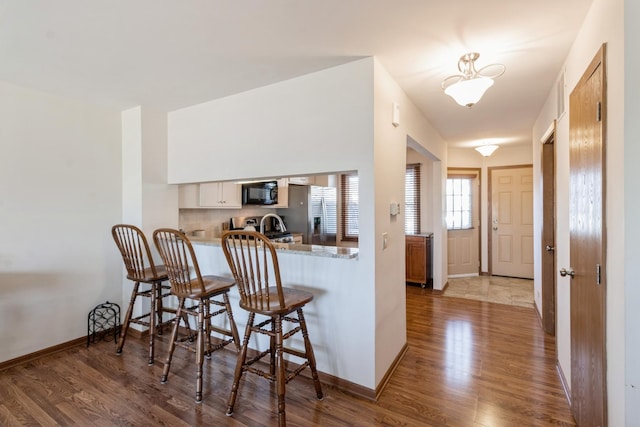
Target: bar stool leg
x=200, y=350
x=242, y=356
x=310, y=356
x=207, y=329
x=127, y=318
x=160, y=308
x=152, y=322
x=172, y=342
x=272, y=349
x=280, y=377
x=232, y=322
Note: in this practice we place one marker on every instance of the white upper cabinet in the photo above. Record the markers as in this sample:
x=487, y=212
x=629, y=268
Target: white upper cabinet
x=219, y=195
x=225, y=195
x=320, y=180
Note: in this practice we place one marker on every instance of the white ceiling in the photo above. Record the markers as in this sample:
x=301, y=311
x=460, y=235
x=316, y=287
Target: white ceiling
x=174, y=53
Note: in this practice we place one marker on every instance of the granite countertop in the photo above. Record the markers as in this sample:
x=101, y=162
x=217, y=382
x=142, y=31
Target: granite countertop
x=312, y=250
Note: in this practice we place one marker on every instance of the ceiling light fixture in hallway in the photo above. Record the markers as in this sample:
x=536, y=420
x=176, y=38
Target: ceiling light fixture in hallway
x=467, y=88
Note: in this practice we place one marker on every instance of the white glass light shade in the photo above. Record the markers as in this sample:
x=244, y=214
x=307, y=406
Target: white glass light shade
x=486, y=150
x=468, y=92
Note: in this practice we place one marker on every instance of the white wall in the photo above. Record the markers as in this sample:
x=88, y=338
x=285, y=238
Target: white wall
x=470, y=158
x=147, y=200
x=298, y=127
x=60, y=180
x=603, y=23
x=631, y=208
x=390, y=160
x=288, y=128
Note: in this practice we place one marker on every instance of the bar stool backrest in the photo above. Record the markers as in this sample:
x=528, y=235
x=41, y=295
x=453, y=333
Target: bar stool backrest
x=135, y=252
x=253, y=261
x=180, y=261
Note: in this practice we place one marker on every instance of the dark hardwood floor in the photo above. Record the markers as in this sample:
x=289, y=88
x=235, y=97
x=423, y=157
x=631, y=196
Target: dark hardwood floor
x=469, y=363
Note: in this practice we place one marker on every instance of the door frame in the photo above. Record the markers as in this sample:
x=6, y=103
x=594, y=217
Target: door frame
x=548, y=230
x=490, y=209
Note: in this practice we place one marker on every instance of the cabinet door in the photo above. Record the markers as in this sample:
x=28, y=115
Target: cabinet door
x=416, y=259
x=188, y=196
x=210, y=195
x=231, y=195
x=300, y=180
x=221, y=195
x=283, y=194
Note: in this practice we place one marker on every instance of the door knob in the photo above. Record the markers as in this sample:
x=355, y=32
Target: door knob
x=550, y=248
x=564, y=272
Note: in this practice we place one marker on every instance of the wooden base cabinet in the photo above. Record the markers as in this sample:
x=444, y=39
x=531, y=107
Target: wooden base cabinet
x=418, y=259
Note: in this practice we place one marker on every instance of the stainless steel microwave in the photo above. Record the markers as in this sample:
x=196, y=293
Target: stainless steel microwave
x=260, y=193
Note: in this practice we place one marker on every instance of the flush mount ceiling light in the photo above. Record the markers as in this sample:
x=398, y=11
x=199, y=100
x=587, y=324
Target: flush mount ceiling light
x=467, y=88
x=486, y=150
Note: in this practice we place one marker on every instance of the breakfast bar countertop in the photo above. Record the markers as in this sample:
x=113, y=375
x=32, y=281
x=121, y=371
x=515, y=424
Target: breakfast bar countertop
x=310, y=250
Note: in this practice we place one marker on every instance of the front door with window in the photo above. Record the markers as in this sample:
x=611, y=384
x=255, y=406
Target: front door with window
x=463, y=223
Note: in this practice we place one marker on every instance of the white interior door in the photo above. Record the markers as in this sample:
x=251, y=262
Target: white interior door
x=512, y=222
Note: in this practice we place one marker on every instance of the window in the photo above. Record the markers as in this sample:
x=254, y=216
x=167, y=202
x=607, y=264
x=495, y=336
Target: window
x=412, y=199
x=459, y=203
x=350, y=209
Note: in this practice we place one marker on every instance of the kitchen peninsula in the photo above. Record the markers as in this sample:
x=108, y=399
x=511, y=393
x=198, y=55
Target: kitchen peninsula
x=292, y=248
x=330, y=273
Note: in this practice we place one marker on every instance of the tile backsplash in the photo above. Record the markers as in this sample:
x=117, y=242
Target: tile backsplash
x=211, y=220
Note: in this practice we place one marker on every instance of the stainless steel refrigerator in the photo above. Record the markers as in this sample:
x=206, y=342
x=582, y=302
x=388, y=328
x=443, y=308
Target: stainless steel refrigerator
x=312, y=212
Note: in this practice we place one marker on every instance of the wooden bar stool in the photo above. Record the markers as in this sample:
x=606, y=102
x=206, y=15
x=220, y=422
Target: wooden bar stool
x=141, y=269
x=254, y=264
x=188, y=284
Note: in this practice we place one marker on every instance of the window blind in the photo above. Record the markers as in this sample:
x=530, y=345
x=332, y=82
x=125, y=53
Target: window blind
x=350, y=207
x=412, y=199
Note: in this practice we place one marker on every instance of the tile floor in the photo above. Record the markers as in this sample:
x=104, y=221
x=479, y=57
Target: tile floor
x=502, y=290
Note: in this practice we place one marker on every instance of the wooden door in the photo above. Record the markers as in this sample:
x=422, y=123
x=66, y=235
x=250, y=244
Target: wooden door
x=587, y=245
x=549, y=233
x=512, y=222
x=463, y=246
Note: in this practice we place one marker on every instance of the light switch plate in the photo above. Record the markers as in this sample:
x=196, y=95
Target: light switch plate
x=385, y=240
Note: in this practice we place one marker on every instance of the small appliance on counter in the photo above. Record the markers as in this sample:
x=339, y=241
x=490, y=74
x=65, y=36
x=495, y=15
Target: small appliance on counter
x=271, y=227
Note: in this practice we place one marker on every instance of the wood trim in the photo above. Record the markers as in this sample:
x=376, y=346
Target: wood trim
x=548, y=230
x=132, y=333
x=540, y=321
x=565, y=384
x=385, y=380
x=44, y=352
x=357, y=389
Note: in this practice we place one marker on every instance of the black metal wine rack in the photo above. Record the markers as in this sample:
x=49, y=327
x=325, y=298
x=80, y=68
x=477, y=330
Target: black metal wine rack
x=103, y=322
